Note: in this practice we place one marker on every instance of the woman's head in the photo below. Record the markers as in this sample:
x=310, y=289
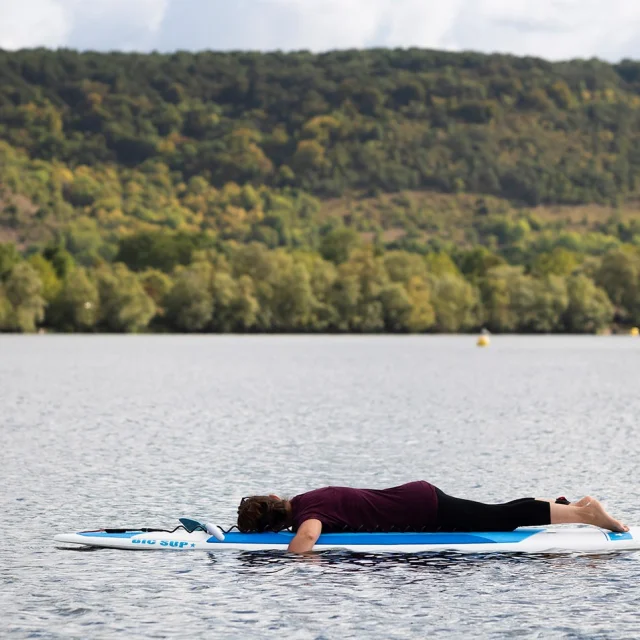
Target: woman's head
x=263, y=513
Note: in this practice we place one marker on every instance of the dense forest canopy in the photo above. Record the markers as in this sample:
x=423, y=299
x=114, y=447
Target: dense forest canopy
x=381, y=190
x=374, y=120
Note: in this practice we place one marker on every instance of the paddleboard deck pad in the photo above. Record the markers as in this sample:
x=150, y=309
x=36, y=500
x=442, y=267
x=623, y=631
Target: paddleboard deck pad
x=525, y=540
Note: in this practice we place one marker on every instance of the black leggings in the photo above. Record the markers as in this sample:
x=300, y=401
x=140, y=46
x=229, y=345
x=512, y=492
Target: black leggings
x=456, y=514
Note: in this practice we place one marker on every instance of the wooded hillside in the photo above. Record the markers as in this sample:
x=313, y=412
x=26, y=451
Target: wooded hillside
x=397, y=190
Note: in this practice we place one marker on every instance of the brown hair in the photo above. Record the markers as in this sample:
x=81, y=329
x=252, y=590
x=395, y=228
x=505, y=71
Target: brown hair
x=262, y=513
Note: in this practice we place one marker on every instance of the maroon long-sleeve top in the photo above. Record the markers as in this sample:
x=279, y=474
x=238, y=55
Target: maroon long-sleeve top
x=408, y=507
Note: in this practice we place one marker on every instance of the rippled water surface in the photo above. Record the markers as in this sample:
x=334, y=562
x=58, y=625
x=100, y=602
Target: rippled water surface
x=119, y=431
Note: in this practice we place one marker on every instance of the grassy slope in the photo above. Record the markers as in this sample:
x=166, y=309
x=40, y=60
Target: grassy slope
x=450, y=217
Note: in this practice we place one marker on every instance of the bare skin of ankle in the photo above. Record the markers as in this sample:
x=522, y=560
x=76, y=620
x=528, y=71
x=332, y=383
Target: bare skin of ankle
x=587, y=510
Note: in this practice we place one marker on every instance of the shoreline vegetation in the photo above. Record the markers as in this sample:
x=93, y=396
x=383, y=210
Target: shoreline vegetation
x=398, y=191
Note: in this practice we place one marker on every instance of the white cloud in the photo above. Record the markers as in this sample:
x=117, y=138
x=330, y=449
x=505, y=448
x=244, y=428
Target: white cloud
x=36, y=23
x=549, y=28
x=317, y=25
x=116, y=24
x=85, y=24
x=555, y=29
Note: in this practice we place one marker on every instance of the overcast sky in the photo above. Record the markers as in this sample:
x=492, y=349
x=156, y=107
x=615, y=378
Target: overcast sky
x=553, y=29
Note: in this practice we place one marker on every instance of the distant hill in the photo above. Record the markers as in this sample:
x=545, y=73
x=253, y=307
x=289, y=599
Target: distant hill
x=520, y=128
x=486, y=166
x=369, y=122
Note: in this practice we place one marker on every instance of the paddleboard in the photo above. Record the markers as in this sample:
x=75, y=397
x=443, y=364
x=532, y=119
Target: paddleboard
x=524, y=540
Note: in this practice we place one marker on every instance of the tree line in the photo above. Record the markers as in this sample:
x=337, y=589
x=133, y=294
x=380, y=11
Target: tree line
x=352, y=288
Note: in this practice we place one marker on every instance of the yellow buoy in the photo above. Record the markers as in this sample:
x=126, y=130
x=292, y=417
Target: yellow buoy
x=634, y=331
x=483, y=341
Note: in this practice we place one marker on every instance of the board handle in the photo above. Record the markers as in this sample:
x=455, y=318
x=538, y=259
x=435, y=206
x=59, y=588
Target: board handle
x=215, y=531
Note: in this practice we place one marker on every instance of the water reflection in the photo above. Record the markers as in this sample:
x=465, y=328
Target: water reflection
x=459, y=564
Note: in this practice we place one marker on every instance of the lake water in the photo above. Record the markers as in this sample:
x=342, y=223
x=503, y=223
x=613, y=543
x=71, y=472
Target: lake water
x=140, y=430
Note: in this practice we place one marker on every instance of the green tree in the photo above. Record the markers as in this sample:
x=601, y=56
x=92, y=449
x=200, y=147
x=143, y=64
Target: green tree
x=309, y=156
x=589, y=309
x=76, y=307
x=62, y=261
x=344, y=298
x=497, y=287
x=322, y=278
x=396, y=307
x=125, y=306
x=619, y=276
x=246, y=307
x=455, y=302
x=337, y=245
x=51, y=284
x=403, y=266
x=439, y=264
x=156, y=285
x=292, y=301
x=224, y=298
x=235, y=307
x=9, y=257
x=189, y=304
x=158, y=250
x=23, y=290
x=515, y=301
x=476, y=263
x=362, y=278
x=550, y=302
x=422, y=316
x=559, y=262
x=5, y=311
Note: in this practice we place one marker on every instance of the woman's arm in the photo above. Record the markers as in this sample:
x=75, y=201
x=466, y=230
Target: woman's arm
x=307, y=535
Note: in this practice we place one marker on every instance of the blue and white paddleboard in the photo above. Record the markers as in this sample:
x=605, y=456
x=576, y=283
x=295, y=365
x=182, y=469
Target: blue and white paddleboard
x=526, y=540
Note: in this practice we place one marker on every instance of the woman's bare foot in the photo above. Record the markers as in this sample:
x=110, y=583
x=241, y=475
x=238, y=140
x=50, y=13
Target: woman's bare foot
x=596, y=515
